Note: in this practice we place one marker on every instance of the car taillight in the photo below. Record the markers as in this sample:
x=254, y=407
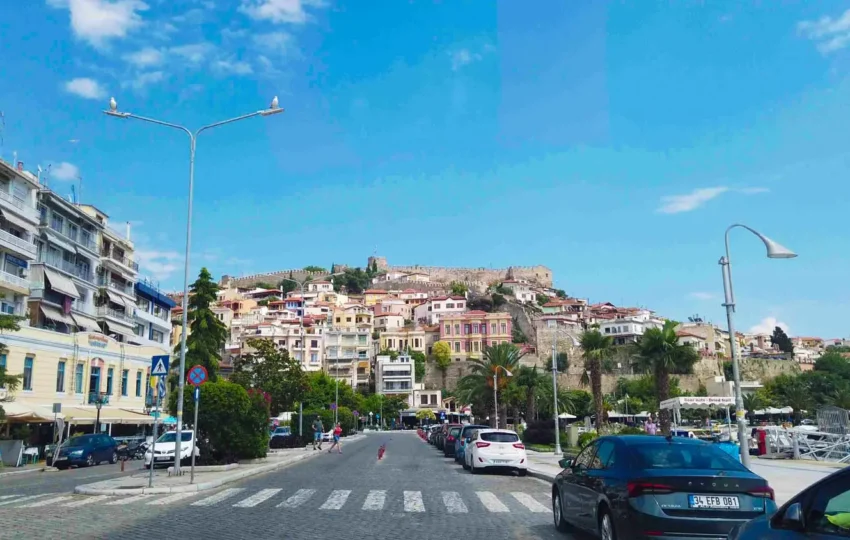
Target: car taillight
x=519, y=445
x=480, y=444
x=764, y=491
x=450, y=439
x=636, y=489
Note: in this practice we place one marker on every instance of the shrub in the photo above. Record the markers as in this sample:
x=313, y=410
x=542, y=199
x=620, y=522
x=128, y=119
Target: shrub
x=539, y=432
x=585, y=438
x=630, y=430
x=346, y=420
x=291, y=441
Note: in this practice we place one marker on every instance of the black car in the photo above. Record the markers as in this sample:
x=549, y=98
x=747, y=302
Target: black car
x=87, y=450
x=820, y=512
x=643, y=486
x=449, y=442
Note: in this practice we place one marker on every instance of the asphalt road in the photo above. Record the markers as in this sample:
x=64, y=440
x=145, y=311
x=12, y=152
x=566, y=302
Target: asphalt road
x=34, y=483
x=413, y=492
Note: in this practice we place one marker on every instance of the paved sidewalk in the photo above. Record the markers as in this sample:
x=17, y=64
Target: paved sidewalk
x=206, y=478
x=9, y=471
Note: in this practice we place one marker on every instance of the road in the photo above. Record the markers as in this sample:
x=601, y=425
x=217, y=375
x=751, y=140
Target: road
x=35, y=483
x=413, y=492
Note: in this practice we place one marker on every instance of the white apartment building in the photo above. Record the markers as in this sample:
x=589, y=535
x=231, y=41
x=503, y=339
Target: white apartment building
x=18, y=233
x=430, y=312
x=348, y=354
x=306, y=348
x=152, y=316
x=395, y=376
x=521, y=289
x=628, y=329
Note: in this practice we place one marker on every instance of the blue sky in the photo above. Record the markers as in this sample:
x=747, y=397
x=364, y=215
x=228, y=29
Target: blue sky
x=613, y=144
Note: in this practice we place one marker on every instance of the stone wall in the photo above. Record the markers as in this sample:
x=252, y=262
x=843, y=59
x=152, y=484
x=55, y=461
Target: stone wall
x=537, y=274
x=270, y=277
x=433, y=379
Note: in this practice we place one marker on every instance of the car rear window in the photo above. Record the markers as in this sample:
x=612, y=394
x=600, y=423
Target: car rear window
x=454, y=432
x=682, y=456
x=500, y=437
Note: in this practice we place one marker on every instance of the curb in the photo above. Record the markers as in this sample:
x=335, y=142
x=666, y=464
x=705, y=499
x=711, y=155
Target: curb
x=203, y=486
x=549, y=477
x=27, y=471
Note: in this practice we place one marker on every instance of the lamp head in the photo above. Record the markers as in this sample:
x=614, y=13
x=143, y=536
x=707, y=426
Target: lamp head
x=775, y=250
x=113, y=105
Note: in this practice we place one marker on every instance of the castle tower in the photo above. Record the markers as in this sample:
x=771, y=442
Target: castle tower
x=380, y=261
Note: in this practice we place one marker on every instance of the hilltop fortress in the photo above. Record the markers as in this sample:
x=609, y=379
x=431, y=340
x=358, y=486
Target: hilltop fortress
x=541, y=275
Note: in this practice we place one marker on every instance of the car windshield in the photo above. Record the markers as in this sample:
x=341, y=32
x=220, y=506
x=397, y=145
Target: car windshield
x=79, y=441
x=500, y=437
x=172, y=437
x=454, y=432
x=683, y=456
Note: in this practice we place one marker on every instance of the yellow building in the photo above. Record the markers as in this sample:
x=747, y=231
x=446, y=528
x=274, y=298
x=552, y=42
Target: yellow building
x=352, y=316
x=373, y=296
x=75, y=370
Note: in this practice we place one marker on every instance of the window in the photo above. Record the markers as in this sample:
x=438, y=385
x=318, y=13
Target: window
x=109, y=373
x=493, y=328
x=138, y=384
x=314, y=358
x=124, y=375
x=433, y=399
x=605, y=456
x=147, y=383
x=60, y=376
x=457, y=329
x=830, y=502
x=2, y=365
x=460, y=305
x=424, y=399
x=475, y=328
x=72, y=231
x=504, y=328
x=314, y=343
x=499, y=437
x=448, y=329
x=348, y=319
x=586, y=458
x=157, y=336
x=467, y=346
x=457, y=346
x=56, y=222
x=450, y=306
x=682, y=456
x=27, y=384
x=475, y=346
x=467, y=328
x=436, y=306
x=78, y=379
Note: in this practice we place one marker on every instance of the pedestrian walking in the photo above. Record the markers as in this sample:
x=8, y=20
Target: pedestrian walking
x=318, y=431
x=337, y=435
x=650, y=426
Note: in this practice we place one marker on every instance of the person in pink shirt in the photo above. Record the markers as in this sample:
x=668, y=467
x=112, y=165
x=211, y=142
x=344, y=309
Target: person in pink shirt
x=650, y=426
x=337, y=435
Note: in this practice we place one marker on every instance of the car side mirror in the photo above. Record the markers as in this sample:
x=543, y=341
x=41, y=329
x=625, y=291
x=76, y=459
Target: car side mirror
x=792, y=518
x=469, y=440
x=566, y=463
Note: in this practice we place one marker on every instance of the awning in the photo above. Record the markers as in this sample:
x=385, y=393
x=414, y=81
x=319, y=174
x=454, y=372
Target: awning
x=111, y=415
x=114, y=297
x=23, y=412
x=86, y=322
x=121, y=328
x=60, y=241
x=129, y=306
x=79, y=415
x=61, y=284
x=56, y=315
x=19, y=223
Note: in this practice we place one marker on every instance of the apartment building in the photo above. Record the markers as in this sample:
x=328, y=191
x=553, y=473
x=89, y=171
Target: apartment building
x=352, y=316
x=395, y=306
x=403, y=339
x=307, y=347
x=412, y=297
x=348, y=354
x=152, y=316
x=468, y=334
x=432, y=311
x=388, y=321
x=521, y=289
x=395, y=376
x=628, y=327
x=18, y=234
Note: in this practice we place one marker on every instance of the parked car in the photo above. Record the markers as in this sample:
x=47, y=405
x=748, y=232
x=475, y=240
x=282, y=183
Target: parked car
x=643, y=486
x=281, y=431
x=460, y=442
x=821, y=511
x=166, y=446
x=87, y=450
x=452, y=435
x=443, y=434
x=498, y=449
x=432, y=434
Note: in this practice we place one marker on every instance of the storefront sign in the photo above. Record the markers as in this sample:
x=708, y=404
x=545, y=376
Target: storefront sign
x=98, y=341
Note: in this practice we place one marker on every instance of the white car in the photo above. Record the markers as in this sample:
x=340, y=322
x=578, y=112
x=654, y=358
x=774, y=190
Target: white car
x=166, y=446
x=495, y=449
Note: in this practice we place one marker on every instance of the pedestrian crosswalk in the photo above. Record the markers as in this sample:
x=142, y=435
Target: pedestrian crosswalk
x=411, y=501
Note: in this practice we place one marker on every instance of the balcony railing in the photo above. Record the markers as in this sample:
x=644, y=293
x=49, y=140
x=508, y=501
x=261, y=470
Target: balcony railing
x=98, y=398
x=105, y=311
x=13, y=279
x=81, y=236
x=129, y=263
x=66, y=266
x=25, y=246
x=19, y=204
x=114, y=285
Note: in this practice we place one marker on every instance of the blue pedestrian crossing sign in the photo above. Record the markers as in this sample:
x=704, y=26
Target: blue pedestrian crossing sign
x=160, y=387
x=159, y=366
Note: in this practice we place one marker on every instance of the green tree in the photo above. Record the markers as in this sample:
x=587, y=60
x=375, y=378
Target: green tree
x=597, y=350
x=442, y=358
x=287, y=285
x=781, y=340
x=833, y=363
x=542, y=299
x=355, y=281
x=560, y=293
x=264, y=285
x=418, y=364
x=498, y=300
x=479, y=382
x=426, y=414
x=517, y=335
x=562, y=361
x=313, y=268
x=271, y=370
x=458, y=288
x=480, y=304
x=8, y=323
x=530, y=381
x=389, y=352
x=322, y=391
x=791, y=391
x=659, y=353
x=207, y=334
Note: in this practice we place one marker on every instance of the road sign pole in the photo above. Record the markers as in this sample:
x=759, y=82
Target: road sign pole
x=153, y=442
x=195, y=437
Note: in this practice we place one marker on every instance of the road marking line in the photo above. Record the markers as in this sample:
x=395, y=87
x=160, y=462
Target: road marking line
x=375, y=500
x=8, y=496
x=218, y=497
x=257, y=498
x=172, y=498
x=301, y=496
x=454, y=504
x=129, y=500
x=530, y=502
x=27, y=498
x=413, y=501
x=491, y=502
x=336, y=500
x=46, y=502
x=87, y=500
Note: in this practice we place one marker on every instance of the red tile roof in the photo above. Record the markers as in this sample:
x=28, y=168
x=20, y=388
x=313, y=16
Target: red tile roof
x=375, y=291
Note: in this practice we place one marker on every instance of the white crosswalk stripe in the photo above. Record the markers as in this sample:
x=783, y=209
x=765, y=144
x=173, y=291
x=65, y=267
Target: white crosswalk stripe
x=218, y=497
x=453, y=502
x=48, y=502
x=172, y=498
x=336, y=500
x=27, y=498
x=129, y=500
x=257, y=498
x=375, y=500
x=413, y=501
x=301, y=496
x=87, y=500
x=491, y=502
x=529, y=502
x=8, y=496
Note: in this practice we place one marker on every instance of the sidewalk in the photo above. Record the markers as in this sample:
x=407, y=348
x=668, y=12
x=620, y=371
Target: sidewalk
x=35, y=467
x=206, y=478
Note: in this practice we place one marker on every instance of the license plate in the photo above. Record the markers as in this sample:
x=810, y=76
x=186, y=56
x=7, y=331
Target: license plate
x=501, y=461
x=163, y=458
x=61, y=459
x=725, y=502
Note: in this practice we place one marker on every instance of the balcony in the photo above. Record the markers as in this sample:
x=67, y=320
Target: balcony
x=19, y=245
x=120, y=259
x=83, y=307
x=18, y=205
x=105, y=311
x=66, y=266
x=80, y=236
x=153, y=319
x=6, y=277
x=116, y=286
x=98, y=398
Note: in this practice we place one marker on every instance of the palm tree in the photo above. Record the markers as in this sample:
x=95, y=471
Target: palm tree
x=530, y=380
x=659, y=354
x=478, y=385
x=597, y=349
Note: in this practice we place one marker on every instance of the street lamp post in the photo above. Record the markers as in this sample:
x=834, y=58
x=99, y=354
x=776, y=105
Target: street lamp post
x=774, y=251
x=496, y=391
x=555, y=398
x=274, y=108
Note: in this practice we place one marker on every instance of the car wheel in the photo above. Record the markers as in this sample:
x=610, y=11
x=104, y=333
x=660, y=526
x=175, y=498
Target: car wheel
x=113, y=459
x=62, y=467
x=90, y=461
x=472, y=468
x=522, y=472
x=606, y=526
x=557, y=513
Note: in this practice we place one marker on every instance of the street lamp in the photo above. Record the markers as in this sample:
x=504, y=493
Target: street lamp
x=555, y=398
x=774, y=251
x=496, y=390
x=274, y=108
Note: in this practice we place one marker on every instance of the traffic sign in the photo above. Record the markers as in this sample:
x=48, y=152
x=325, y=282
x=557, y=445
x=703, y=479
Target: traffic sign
x=160, y=388
x=159, y=365
x=355, y=413
x=333, y=406
x=197, y=393
x=198, y=375
x=377, y=416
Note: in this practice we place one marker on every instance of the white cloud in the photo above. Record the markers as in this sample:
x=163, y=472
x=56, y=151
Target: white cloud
x=274, y=43
x=99, y=21
x=194, y=53
x=753, y=190
x=279, y=11
x=829, y=34
x=142, y=80
x=160, y=264
x=146, y=57
x=463, y=57
x=767, y=325
x=64, y=171
x=702, y=295
x=235, y=67
x=85, y=88
x=674, y=204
